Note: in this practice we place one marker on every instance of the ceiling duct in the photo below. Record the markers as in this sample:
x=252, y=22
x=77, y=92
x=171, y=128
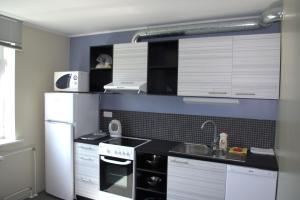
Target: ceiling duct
x=273, y=14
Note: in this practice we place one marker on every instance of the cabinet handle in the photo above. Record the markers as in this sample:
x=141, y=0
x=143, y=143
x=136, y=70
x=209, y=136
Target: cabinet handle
x=86, y=148
x=245, y=93
x=217, y=92
x=85, y=180
x=86, y=158
x=180, y=162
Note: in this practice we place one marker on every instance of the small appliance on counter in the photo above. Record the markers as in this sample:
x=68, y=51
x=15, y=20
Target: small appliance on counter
x=71, y=81
x=115, y=128
x=94, y=136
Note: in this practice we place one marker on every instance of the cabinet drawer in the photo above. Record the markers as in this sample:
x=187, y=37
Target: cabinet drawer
x=87, y=149
x=88, y=161
x=87, y=171
x=87, y=187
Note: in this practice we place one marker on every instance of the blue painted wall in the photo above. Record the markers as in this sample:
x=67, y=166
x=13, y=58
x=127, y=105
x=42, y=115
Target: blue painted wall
x=254, y=109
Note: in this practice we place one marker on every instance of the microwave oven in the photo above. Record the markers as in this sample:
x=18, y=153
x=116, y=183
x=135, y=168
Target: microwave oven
x=71, y=81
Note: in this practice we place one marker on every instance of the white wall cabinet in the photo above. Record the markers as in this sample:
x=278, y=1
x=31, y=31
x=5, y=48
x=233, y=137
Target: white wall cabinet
x=250, y=183
x=205, y=66
x=190, y=179
x=86, y=170
x=245, y=66
x=130, y=62
x=256, y=66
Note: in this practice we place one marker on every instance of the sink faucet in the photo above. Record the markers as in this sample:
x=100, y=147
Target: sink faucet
x=215, y=141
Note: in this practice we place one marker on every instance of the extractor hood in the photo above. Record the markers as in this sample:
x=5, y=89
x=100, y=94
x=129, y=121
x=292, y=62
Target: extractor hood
x=126, y=86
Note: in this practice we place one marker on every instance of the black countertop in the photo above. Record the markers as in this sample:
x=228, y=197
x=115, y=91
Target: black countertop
x=162, y=147
x=93, y=142
x=253, y=160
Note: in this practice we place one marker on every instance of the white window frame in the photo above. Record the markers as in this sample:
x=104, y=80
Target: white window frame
x=7, y=96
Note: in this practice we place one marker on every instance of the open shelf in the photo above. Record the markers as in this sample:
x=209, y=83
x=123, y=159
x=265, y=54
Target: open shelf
x=151, y=171
x=150, y=190
x=162, y=68
x=142, y=194
x=146, y=168
x=100, y=76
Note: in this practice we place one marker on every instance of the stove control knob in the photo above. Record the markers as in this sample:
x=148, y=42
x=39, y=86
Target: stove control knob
x=128, y=154
x=108, y=151
x=116, y=152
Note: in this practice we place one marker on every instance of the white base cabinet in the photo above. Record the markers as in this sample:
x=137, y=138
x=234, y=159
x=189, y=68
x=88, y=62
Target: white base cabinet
x=86, y=170
x=250, y=183
x=190, y=179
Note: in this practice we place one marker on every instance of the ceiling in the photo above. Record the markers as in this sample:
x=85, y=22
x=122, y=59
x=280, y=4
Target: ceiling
x=79, y=17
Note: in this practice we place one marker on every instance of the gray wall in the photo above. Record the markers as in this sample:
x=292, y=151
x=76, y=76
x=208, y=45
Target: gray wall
x=254, y=109
x=288, y=131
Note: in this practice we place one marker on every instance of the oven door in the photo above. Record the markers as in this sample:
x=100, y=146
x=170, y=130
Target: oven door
x=116, y=176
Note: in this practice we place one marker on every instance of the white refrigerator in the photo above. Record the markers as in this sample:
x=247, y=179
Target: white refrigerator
x=67, y=116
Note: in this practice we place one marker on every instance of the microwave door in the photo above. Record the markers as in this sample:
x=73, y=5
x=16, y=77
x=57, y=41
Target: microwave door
x=63, y=82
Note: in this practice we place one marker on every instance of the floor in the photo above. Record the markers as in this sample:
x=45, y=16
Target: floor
x=44, y=196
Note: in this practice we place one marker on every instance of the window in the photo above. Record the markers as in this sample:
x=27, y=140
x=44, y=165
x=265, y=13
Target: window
x=7, y=93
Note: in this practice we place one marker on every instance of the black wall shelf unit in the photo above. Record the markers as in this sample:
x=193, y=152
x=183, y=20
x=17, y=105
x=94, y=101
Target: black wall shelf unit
x=99, y=76
x=145, y=170
x=162, y=68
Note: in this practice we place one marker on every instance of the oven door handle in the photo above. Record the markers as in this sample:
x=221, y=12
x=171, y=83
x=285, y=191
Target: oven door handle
x=115, y=162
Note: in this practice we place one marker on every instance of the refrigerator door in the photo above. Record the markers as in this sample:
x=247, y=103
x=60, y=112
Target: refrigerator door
x=59, y=159
x=59, y=107
x=250, y=183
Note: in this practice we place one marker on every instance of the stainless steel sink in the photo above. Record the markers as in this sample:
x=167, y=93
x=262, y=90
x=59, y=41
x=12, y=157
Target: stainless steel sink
x=202, y=150
x=190, y=148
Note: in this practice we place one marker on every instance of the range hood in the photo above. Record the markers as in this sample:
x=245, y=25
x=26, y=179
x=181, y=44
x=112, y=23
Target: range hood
x=126, y=86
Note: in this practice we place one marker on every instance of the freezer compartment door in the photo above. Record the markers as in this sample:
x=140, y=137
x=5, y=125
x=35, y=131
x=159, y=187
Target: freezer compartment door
x=250, y=183
x=59, y=160
x=59, y=107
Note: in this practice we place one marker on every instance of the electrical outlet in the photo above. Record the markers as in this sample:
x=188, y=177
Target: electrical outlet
x=107, y=114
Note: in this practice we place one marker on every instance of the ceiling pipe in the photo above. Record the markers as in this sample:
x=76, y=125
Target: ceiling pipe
x=273, y=14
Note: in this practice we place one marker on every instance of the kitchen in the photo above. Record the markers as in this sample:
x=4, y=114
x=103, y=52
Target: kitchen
x=162, y=117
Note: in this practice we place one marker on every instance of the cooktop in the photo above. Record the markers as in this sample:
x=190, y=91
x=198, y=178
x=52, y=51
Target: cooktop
x=126, y=141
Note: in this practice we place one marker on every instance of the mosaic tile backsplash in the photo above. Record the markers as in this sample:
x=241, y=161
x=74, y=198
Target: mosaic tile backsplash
x=187, y=128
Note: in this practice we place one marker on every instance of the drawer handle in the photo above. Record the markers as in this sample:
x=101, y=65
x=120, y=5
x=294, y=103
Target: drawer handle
x=86, y=148
x=86, y=158
x=245, y=93
x=85, y=180
x=217, y=92
x=180, y=162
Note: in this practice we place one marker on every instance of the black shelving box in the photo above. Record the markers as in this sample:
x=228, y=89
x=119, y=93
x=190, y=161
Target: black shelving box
x=162, y=68
x=100, y=76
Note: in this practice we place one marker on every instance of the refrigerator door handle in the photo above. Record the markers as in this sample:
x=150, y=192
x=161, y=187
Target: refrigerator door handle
x=58, y=122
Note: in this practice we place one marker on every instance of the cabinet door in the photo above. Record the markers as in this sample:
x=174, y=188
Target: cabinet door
x=195, y=180
x=256, y=66
x=130, y=62
x=86, y=170
x=205, y=66
x=250, y=183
